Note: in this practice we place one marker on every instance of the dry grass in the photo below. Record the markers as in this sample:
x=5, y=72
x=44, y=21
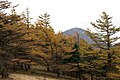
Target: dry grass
x=36, y=73
x=28, y=77
x=16, y=76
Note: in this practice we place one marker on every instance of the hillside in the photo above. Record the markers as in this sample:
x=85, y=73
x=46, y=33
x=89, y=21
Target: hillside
x=81, y=33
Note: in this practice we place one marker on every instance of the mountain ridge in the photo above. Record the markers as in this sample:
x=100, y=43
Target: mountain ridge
x=81, y=33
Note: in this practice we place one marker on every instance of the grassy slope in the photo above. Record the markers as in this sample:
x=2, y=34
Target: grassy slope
x=36, y=73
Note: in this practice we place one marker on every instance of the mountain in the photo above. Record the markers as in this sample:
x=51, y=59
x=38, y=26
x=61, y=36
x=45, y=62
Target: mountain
x=81, y=33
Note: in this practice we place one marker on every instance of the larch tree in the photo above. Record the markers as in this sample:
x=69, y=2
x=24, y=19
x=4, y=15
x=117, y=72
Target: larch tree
x=3, y=34
x=48, y=45
x=13, y=39
x=104, y=37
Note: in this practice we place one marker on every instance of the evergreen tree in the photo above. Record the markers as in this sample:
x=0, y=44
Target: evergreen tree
x=4, y=4
x=13, y=39
x=104, y=35
x=75, y=58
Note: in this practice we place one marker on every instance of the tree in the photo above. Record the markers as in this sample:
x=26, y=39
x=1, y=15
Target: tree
x=13, y=39
x=4, y=5
x=48, y=45
x=3, y=33
x=104, y=35
x=75, y=55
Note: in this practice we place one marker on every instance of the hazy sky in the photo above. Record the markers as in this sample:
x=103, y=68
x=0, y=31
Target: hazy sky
x=66, y=14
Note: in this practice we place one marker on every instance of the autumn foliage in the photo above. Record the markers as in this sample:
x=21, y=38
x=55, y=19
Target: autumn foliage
x=23, y=44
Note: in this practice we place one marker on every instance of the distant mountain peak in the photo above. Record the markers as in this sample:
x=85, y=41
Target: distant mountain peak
x=81, y=33
x=76, y=29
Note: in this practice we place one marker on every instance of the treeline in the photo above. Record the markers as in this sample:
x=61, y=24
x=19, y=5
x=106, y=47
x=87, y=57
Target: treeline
x=23, y=44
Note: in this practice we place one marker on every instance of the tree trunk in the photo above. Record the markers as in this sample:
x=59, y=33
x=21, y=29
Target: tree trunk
x=91, y=76
x=29, y=66
x=79, y=75
x=63, y=73
x=76, y=74
x=57, y=72
x=109, y=61
x=48, y=69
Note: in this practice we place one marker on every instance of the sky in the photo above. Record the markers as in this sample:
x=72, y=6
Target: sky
x=67, y=14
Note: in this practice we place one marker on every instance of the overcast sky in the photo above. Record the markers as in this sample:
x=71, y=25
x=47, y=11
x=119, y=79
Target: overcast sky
x=66, y=14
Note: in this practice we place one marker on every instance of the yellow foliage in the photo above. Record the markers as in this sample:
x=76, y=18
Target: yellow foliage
x=114, y=75
x=41, y=54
